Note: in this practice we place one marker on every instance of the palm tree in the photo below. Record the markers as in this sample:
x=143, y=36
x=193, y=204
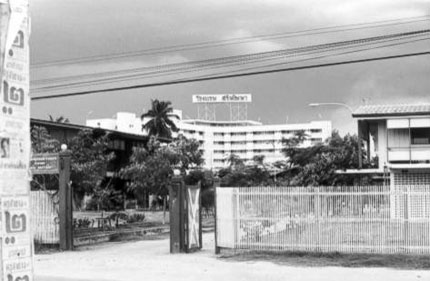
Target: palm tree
x=60, y=119
x=160, y=124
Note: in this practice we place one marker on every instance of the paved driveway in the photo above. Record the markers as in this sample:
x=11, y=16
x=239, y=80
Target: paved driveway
x=150, y=260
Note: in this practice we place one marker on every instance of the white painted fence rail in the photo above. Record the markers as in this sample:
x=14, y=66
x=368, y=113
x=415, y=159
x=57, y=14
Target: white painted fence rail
x=358, y=219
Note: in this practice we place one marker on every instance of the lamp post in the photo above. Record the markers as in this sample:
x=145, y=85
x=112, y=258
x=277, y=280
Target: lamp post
x=332, y=103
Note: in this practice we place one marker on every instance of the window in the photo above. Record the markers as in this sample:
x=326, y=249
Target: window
x=238, y=134
x=420, y=135
x=117, y=144
x=316, y=130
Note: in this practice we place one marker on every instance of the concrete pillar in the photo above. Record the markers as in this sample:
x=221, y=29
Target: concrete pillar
x=66, y=206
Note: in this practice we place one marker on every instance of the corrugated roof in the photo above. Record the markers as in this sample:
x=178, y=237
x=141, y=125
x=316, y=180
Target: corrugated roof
x=392, y=110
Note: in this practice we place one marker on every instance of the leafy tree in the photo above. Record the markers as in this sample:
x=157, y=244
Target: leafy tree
x=188, y=153
x=42, y=141
x=150, y=169
x=235, y=162
x=159, y=125
x=239, y=174
x=317, y=165
x=90, y=159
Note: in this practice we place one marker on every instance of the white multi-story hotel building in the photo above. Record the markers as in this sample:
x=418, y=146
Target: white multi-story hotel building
x=219, y=139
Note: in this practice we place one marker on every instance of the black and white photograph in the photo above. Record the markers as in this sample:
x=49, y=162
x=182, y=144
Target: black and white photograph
x=215, y=140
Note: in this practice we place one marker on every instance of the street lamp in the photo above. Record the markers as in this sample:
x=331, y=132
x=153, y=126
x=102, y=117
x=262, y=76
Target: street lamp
x=332, y=103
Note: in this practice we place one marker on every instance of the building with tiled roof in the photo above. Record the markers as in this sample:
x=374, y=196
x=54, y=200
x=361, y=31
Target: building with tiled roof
x=392, y=110
x=400, y=137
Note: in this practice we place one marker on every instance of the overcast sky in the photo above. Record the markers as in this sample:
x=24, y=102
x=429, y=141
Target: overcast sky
x=69, y=29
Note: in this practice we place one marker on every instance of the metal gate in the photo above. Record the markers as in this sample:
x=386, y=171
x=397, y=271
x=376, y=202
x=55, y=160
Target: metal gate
x=185, y=217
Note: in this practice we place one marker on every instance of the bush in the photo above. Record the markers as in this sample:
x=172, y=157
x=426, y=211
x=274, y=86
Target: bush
x=82, y=223
x=135, y=218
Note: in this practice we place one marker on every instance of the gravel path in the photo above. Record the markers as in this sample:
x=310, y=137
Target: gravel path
x=150, y=260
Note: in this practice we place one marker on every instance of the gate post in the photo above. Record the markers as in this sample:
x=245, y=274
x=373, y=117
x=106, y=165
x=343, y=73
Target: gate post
x=176, y=202
x=216, y=183
x=65, y=195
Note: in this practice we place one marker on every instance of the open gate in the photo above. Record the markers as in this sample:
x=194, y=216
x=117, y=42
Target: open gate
x=185, y=217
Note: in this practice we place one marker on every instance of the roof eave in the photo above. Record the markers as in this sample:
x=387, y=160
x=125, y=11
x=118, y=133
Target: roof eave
x=400, y=114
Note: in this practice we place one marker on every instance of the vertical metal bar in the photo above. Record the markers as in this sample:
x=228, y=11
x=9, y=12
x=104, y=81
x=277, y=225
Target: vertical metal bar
x=406, y=217
x=317, y=211
x=216, y=186
x=200, y=214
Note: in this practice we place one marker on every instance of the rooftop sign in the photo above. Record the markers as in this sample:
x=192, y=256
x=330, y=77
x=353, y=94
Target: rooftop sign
x=222, y=98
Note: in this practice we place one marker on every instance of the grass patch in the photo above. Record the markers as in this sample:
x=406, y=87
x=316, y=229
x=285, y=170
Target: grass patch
x=397, y=261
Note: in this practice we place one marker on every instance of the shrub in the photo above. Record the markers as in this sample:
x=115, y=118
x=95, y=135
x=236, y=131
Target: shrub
x=135, y=218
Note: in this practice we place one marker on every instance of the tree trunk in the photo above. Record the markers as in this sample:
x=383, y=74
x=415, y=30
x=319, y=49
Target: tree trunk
x=164, y=210
x=144, y=200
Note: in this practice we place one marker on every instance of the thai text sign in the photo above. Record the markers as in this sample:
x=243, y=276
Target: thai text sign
x=44, y=164
x=223, y=98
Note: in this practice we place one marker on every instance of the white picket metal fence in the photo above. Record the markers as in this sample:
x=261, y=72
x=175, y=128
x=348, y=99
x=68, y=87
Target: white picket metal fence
x=357, y=219
x=44, y=217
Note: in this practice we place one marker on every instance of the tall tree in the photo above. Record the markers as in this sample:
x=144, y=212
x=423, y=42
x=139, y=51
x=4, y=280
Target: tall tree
x=159, y=124
x=42, y=141
x=317, y=165
x=151, y=169
x=240, y=174
x=60, y=119
x=90, y=159
x=188, y=153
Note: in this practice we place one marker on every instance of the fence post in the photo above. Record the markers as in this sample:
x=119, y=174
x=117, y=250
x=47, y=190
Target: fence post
x=236, y=215
x=317, y=213
x=216, y=184
x=200, y=216
x=66, y=209
x=406, y=217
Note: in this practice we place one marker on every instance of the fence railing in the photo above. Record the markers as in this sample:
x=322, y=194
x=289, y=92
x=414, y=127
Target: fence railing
x=325, y=219
x=44, y=217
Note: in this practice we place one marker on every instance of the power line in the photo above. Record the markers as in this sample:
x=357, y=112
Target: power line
x=240, y=40
x=223, y=61
x=366, y=47
x=319, y=57
x=183, y=81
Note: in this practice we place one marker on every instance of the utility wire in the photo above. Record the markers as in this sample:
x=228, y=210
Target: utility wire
x=307, y=59
x=240, y=40
x=226, y=60
x=366, y=47
x=183, y=81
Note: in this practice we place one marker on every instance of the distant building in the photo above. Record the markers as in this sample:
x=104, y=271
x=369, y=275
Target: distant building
x=219, y=139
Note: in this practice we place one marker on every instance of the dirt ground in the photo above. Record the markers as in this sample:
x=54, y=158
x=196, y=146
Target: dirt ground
x=150, y=260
